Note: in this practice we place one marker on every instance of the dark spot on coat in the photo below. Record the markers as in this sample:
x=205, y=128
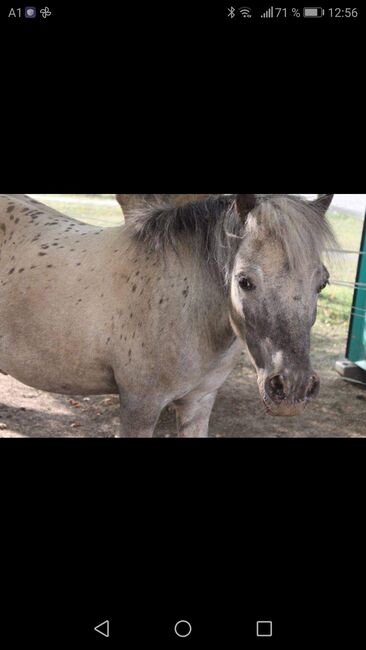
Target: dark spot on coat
x=11, y=217
x=78, y=264
x=137, y=273
x=20, y=270
x=11, y=208
x=33, y=267
x=16, y=220
x=41, y=254
x=11, y=271
x=185, y=292
x=161, y=300
x=44, y=246
x=49, y=266
x=134, y=288
x=129, y=353
x=108, y=339
x=3, y=227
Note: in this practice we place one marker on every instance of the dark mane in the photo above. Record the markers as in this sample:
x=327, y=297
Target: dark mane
x=213, y=230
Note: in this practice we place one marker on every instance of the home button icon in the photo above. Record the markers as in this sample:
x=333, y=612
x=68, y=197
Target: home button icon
x=183, y=629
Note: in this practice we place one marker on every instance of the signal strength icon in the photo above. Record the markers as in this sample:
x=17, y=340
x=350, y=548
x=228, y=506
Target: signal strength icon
x=268, y=13
x=246, y=12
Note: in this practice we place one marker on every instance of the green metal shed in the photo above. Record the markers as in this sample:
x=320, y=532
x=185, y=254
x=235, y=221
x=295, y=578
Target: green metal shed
x=356, y=344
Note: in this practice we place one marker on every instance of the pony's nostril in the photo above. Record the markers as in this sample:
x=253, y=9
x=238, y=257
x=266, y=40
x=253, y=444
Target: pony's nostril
x=276, y=387
x=313, y=387
x=276, y=384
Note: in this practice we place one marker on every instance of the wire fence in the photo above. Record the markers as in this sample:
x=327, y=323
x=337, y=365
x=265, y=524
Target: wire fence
x=340, y=306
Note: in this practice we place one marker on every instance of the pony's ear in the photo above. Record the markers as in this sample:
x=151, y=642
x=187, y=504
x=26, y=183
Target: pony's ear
x=322, y=203
x=245, y=203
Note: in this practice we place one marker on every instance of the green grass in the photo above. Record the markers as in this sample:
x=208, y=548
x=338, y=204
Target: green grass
x=82, y=196
x=98, y=215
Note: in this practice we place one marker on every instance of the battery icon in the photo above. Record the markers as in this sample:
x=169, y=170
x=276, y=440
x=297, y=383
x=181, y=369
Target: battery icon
x=313, y=12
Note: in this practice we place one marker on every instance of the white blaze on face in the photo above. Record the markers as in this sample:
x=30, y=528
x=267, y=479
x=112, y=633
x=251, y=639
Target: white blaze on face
x=277, y=360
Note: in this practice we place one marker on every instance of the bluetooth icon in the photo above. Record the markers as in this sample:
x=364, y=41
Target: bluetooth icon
x=231, y=12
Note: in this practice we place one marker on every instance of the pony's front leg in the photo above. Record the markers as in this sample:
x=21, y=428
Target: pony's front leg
x=139, y=417
x=193, y=415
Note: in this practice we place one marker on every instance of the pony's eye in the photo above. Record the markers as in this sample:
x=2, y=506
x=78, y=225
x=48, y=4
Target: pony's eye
x=322, y=287
x=245, y=283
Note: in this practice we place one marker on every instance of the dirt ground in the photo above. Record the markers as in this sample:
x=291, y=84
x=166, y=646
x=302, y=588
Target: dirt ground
x=340, y=411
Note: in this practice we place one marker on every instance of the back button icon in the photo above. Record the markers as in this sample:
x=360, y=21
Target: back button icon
x=103, y=629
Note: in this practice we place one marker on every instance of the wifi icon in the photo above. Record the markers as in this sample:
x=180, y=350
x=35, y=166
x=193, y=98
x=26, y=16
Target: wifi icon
x=246, y=12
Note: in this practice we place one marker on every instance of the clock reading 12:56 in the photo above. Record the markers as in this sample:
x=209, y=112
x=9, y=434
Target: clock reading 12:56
x=343, y=13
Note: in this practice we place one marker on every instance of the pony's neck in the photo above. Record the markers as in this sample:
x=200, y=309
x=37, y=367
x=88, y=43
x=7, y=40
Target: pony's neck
x=210, y=309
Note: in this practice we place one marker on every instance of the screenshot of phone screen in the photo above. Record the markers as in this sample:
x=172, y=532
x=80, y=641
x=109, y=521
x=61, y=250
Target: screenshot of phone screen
x=182, y=365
